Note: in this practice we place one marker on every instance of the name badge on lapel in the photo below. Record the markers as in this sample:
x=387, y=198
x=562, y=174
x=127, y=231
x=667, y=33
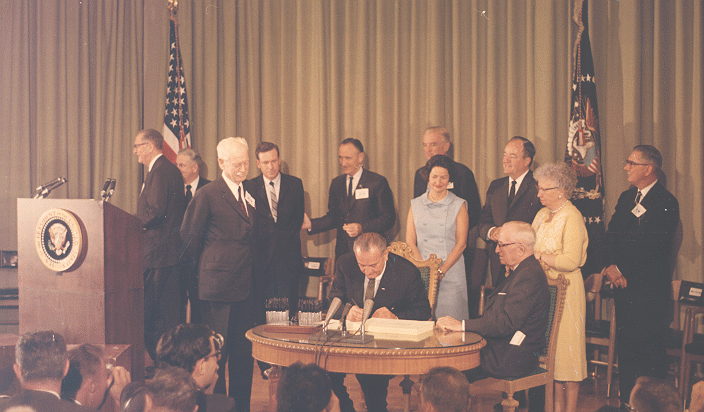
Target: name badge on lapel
x=249, y=199
x=450, y=185
x=361, y=193
x=638, y=210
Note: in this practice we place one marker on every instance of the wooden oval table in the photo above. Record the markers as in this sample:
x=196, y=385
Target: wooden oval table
x=381, y=357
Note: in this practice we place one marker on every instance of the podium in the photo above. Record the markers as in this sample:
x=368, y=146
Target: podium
x=80, y=273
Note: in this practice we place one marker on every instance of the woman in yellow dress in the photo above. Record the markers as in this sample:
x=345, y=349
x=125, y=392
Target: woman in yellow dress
x=561, y=244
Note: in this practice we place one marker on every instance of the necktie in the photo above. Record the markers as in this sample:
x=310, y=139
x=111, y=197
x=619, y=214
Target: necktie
x=189, y=195
x=274, y=201
x=639, y=196
x=349, y=191
x=241, y=200
x=369, y=293
x=512, y=193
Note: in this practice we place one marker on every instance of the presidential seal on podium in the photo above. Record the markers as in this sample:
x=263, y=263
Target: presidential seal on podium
x=59, y=240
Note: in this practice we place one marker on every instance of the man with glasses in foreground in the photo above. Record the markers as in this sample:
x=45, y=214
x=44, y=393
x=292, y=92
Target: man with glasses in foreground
x=638, y=264
x=515, y=317
x=197, y=349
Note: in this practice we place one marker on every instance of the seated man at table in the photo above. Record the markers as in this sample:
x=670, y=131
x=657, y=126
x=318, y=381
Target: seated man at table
x=515, y=317
x=395, y=286
x=444, y=389
x=305, y=388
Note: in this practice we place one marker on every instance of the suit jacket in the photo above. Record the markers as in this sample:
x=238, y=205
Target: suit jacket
x=220, y=235
x=215, y=402
x=464, y=186
x=401, y=289
x=280, y=241
x=497, y=211
x=642, y=247
x=519, y=303
x=160, y=207
x=189, y=263
x=375, y=213
x=41, y=401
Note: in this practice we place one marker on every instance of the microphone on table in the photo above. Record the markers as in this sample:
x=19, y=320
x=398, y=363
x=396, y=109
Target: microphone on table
x=368, y=306
x=343, y=318
x=334, y=306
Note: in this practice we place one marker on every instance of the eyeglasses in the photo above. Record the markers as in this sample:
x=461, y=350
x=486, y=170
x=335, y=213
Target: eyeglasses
x=630, y=408
x=503, y=245
x=632, y=163
x=546, y=189
x=217, y=354
x=140, y=144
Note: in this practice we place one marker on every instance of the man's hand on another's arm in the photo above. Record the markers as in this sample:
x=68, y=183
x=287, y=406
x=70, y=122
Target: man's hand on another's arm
x=449, y=324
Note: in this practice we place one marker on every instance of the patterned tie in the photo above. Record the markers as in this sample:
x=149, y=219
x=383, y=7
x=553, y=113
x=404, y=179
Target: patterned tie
x=369, y=293
x=241, y=200
x=639, y=196
x=189, y=195
x=512, y=193
x=274, y=201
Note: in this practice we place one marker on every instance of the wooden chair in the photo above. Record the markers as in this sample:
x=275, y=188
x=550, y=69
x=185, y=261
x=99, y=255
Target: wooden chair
x=601, y=332
x=543, y=375
x=429, y=273
x=428, y=269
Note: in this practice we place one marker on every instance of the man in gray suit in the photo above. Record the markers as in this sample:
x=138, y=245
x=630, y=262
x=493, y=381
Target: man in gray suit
x=218, y=230
x=515, y=318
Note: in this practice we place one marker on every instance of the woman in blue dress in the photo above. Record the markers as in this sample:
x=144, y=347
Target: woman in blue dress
x=438, y=223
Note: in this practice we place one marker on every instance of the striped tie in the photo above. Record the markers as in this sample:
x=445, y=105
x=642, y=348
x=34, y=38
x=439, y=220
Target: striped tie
x=274, y=201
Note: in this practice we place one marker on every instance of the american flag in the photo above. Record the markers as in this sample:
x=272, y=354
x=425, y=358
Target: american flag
x=177, y=129
x=583, y=152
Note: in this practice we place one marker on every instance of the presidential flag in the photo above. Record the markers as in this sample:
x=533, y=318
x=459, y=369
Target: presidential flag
x=177, y=129
x=583, y=152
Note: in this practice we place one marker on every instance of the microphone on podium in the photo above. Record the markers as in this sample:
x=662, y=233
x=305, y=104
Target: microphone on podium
x=111, y=191
x=106, y=186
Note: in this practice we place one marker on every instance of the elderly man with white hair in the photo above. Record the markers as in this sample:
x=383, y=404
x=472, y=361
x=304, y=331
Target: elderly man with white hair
x=218, y=229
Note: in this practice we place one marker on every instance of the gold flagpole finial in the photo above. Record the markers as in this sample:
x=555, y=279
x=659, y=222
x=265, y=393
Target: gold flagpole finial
x=172, y=5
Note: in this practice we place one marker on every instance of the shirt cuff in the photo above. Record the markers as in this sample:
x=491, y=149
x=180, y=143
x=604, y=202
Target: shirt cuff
x=463, y=327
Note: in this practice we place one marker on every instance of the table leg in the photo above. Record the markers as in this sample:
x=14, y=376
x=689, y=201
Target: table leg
x=274, y=376
x=406, y=384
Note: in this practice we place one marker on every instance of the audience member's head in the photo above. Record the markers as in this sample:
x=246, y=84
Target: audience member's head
x=655, y=395
x=171, y=390
x=304, y=388
x=193, y=347
x=40, y=359
x=87, y=379
x=444, y=389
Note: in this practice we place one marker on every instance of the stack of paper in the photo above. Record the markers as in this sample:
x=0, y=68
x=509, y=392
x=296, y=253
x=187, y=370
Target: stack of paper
x=391, y=329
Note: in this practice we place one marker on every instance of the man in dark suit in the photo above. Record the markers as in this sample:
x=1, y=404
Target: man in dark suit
x=398, y=293
x=638, y=251
x=360, y=201
x=280, y=197
x=515, y=317
x=219, y=229
x=189, y=163
x=520, y=187
x=196, y=349
x=40, y=365
x=160, y=207
x=436, y=141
